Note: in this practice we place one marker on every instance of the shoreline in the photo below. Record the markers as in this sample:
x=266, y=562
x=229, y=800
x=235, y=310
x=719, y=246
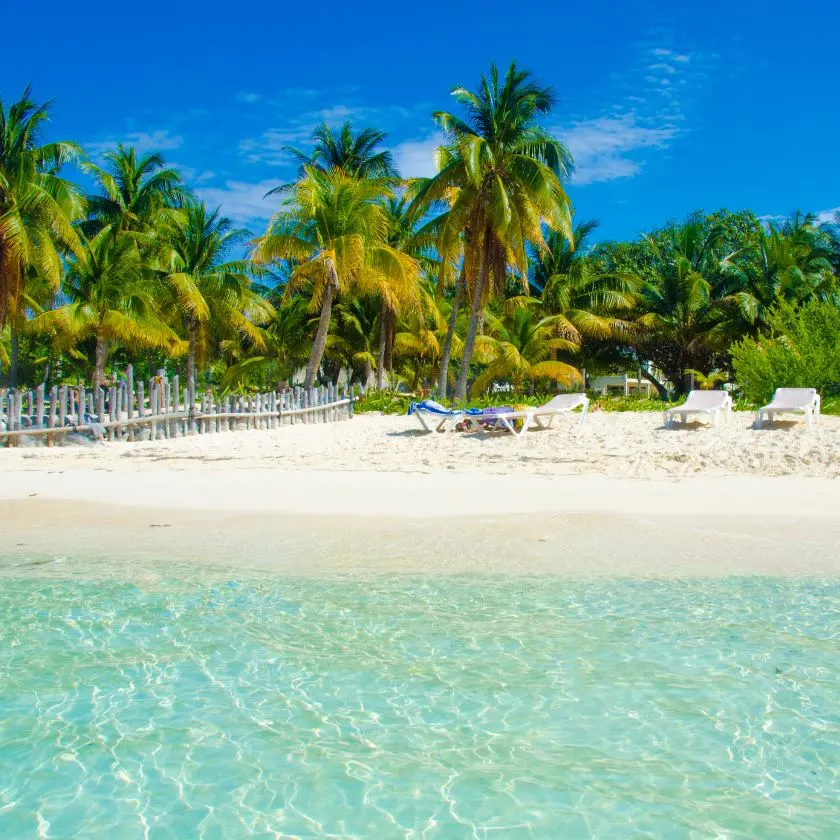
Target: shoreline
x=574, y=540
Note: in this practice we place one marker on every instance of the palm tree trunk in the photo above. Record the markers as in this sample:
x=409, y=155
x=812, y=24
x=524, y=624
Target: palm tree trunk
x=383, y=341
x=320, y=342
x=475, y=315
x=446, y=355
x=193, y=337
x=101, y=359
x=14, y=359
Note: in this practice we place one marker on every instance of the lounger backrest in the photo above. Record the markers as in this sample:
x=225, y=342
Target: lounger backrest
x=562, y=401
x=795, y=397
x=706, y=399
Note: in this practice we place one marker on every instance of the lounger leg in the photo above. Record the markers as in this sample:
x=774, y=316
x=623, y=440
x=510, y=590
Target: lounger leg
x=809, y=419
x=422, y=421
x=583, y=413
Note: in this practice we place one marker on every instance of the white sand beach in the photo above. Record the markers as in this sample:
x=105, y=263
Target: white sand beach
x=622, y=494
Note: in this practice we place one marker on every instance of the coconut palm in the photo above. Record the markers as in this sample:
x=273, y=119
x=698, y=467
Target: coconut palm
x=502, y=175
x=353, y=338
x=37, y=207
x=519, y=346
x=684, y=314
x=334, y=229
x=208, y=287
x=793, y=264
x=112, y=299
x=587, y=303
x=133, y=193
x=399, y=298
x=354, y=153
x=420, y=335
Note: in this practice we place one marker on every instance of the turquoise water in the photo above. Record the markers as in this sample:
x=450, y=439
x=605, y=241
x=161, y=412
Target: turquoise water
x=403, y=707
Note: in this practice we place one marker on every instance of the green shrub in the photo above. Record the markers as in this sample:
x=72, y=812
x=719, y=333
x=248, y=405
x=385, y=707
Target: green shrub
x=800, y=350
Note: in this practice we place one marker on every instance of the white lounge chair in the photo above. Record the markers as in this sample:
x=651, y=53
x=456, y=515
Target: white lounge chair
x=792, y=401
x=434, y=417
x=716, y=404
x=541, y=416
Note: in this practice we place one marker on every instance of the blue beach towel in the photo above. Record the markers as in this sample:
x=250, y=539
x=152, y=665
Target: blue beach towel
x=434, y=407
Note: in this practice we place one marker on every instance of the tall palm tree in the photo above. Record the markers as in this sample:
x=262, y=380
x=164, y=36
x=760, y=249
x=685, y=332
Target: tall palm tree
x=133, y=191
x=353, y=152
x=111, y=298
x=502, y=175
x=37, y=207
x=334, y=229
x=209, y=287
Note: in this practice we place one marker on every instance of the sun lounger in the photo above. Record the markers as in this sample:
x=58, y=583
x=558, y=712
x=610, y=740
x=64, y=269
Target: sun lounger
x=717, y=404
x=541, y=416
x=434, y=417
x=792, y=401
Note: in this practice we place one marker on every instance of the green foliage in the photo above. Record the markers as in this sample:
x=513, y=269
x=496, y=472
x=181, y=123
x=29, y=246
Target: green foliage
x=801, y=349
x=632, y=402
x=386, y=402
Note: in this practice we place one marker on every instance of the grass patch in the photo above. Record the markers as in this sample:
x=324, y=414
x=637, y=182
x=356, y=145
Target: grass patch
x=392, y=402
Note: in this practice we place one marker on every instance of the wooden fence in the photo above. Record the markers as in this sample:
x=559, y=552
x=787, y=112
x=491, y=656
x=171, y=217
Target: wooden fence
x=158, y=409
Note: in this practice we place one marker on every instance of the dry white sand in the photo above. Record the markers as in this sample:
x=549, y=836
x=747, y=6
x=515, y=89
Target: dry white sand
x=622, y=495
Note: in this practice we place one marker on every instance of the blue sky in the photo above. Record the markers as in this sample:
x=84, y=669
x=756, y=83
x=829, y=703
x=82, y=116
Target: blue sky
x=667, y=107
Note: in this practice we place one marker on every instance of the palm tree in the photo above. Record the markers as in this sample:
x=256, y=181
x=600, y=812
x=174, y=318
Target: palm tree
x=398, y=298
x=207, y=286
x=519, y=347
x=684, y=313
x=133, y=192
x=586, y=302
x=418, y=341
x=502, y=175
x=354, y=153
x=334, y=229
x=794, y=264
x=37, y=207
x=111, y=299
x=352, y=342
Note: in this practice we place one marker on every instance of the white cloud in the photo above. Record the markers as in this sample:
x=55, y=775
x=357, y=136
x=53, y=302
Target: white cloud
x=416, y=158
x=603, y=147
x=248, y=96
x=828, y=215
x=160, y=140
x=243, y=201
x=268, y=147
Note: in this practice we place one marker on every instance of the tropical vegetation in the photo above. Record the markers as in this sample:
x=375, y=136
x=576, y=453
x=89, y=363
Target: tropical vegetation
x=477, y=281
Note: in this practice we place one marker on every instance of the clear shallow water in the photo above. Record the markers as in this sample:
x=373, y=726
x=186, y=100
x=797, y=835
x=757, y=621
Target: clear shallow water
x=418, y=708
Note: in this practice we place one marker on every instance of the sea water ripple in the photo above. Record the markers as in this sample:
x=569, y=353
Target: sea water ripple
x=410, y=707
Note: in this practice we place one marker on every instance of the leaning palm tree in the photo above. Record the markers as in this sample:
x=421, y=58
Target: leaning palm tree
x=133, y=191
x=111, y=299
x=502, y=174
x=334, y=229
x=519, y=347
x=37, y=207
x=208, y=287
